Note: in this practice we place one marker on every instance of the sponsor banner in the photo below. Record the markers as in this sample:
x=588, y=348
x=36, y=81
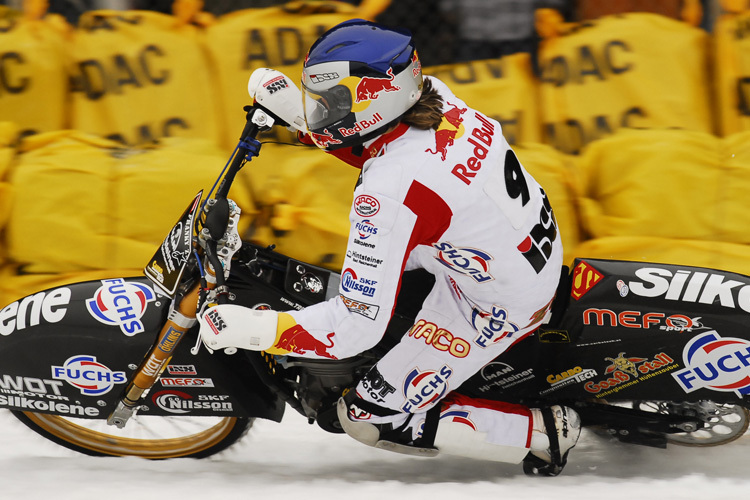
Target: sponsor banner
x=42, y=307
x=624, y=372
x=369, y=311
x=423, y=388
x=183, y=370
x=181, y=403
x=186, y=382
x=715, y=363
x=121, y=303
x=468, y=261
x=24, y=404
x=88, y=375
x=502, y=375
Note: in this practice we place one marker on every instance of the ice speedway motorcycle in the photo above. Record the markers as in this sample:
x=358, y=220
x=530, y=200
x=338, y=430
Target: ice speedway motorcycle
x=649, y=353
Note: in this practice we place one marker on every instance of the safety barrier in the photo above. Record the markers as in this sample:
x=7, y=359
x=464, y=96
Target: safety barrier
x=618, y=126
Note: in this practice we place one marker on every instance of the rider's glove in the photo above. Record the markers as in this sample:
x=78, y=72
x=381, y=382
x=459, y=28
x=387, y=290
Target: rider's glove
x=229, y=326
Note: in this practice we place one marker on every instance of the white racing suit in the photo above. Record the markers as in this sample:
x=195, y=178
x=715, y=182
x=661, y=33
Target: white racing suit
x=457, y=203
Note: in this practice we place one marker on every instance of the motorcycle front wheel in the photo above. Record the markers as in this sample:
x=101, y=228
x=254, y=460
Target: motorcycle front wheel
x=144, y=436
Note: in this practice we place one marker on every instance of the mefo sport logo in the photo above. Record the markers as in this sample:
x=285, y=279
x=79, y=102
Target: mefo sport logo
x=88, y=375
x=121, y=303
x=715, y=363
x=468, y=261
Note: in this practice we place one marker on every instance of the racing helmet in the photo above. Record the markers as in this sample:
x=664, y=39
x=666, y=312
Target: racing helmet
x=358, y=79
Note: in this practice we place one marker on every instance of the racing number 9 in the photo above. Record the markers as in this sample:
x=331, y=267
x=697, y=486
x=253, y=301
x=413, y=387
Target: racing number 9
x=515, y=181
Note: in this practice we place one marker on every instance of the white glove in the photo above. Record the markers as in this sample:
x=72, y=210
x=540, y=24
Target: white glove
x=275, y=91
x=230, y=326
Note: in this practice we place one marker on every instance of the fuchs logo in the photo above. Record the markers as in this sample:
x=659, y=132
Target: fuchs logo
x=692, y=286
x=584, y=279
x=351, y=283
x=366, y=205
x=88, y=375
x=276, y=84
x=121, y=303
x=468, y=261
x=423, y=388
x=492, y=326
x=459, y=417
x=366, y=229
x=716, y=363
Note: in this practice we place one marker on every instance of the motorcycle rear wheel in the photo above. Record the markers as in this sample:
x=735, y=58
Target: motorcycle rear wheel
x=723, y=423
x=145, y=437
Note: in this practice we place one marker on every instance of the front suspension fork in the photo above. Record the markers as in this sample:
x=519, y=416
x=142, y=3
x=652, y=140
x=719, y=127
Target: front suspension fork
x=179, y=321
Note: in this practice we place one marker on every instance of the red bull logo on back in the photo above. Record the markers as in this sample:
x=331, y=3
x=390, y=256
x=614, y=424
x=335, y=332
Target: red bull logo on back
x=449, y=130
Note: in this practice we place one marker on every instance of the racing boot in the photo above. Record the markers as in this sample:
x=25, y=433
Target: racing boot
x=555, y=431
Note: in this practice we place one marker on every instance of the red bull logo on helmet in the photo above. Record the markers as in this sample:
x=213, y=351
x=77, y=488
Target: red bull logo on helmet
x=715, y=363
x=299, y=341
x=323, y=140
x=121, y=303
x=361, y=125
x=369, y=88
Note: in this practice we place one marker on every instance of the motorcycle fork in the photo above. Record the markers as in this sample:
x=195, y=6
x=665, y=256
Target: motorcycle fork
x=179, y=321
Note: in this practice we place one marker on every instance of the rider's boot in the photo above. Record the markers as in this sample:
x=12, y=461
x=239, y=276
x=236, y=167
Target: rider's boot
x=427, y=434
x=555, y=431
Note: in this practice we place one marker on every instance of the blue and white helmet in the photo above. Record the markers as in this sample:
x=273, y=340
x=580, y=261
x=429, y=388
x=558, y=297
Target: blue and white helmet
x=359, y=78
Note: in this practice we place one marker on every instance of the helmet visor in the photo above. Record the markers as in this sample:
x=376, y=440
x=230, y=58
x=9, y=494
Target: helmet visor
x=322, y=108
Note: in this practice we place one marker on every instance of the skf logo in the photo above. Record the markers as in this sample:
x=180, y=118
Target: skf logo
x=716, y=363
x=468, y=261
x=584, y=279
x=121, y=303
x=88, y=375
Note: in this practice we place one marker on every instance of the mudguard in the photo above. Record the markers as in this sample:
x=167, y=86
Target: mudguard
x=633, y=331
x=70, y=351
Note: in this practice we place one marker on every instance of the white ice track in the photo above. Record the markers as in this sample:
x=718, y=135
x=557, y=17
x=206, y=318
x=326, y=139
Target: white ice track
x=294, y=460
